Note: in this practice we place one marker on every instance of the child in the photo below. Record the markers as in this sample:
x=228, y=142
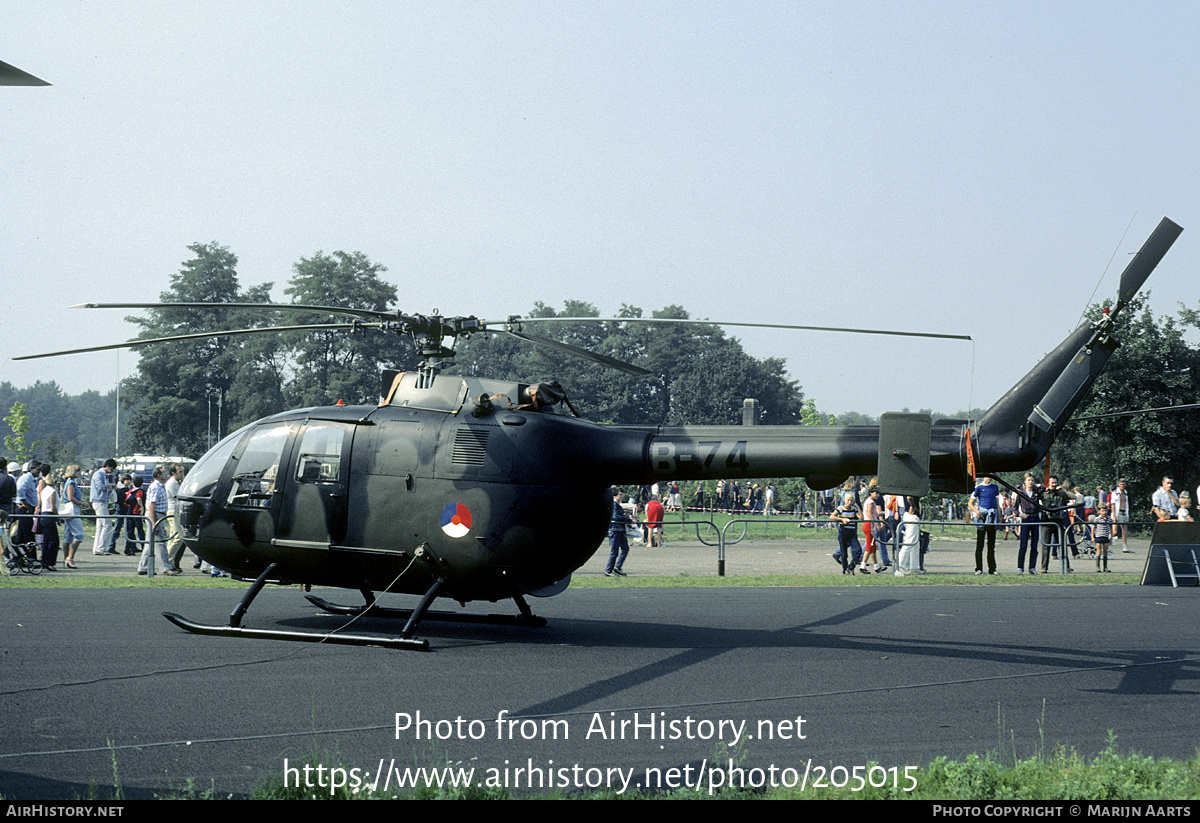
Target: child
x=846, y=516
x=909, y=560
x=1102, y=529
x=1185, y=506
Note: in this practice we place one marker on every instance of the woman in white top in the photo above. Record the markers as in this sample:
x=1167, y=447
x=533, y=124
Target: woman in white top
x=47, y=526
x=70, y=503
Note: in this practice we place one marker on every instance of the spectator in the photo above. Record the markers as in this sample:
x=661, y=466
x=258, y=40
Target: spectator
x=846, y=516
x=1164, y=501
x=985, y=505
x=1118, y=502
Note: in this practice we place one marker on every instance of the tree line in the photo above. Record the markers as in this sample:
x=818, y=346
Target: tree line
x=41, y=421
x=172, y=403
x=1156, y=367
x=252, y=376
x=698, y=374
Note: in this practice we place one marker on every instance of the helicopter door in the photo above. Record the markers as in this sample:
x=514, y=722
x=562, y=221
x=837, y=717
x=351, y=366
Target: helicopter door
x=314, y=506
x=249, y=489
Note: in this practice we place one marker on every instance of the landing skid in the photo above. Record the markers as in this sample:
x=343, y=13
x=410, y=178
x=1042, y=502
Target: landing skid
x=303, y=637
x=236, y=629
x=526, y=618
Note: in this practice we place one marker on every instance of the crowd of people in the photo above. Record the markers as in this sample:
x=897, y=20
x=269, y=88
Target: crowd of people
x=880, y=516
x=731, y=496
x=1065, y=522
x=1057, y=519
x=121, y=503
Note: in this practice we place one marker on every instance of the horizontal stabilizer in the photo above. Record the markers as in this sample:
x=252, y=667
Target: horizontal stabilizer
x=904, y=453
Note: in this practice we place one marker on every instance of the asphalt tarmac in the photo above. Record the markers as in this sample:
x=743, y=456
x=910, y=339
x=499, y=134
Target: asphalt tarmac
x=626, y=686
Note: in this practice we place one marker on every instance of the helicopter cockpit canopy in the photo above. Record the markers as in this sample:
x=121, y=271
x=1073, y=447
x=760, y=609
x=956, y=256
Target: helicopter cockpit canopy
x=203, y=477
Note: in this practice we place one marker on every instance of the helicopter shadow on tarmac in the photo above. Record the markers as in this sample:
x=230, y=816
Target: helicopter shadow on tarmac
x=1145, y=671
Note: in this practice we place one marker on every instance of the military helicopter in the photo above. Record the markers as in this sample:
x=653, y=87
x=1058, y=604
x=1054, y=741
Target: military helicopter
x=457, y=487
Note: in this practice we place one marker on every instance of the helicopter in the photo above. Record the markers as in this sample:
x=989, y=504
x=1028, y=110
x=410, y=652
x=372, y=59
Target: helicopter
x=457, y=486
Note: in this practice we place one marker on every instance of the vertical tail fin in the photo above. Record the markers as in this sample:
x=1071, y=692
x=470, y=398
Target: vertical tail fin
x=1017, y=431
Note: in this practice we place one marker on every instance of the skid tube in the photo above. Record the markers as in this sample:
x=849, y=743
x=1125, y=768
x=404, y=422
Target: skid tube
x=410, y=643
x=525, y=618
x=236, y=629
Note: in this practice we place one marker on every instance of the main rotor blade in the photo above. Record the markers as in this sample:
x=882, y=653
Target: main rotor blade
x=611, y=362
x=523, y=320
x=12, y=76
x=1148, y=256
x=1183, y=407
x=204, y=335
x=369, y=314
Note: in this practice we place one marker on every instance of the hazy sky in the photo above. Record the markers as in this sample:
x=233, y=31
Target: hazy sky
x=954, y=167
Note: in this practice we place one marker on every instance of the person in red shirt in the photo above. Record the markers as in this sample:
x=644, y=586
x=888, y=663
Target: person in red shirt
x=654, y=516
x=135, y=530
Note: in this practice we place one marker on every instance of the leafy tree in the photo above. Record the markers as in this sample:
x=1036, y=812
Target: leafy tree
x=49, y=413
x=94, y=415
x=170, y=395
x=335, y=365
x=253, y=376
x=698, y=374
x=1154, y=367
x=80, y=425
x=15, y=443
x=809, y=416
x=712, y=388
x=853, y=418
x=58, y=453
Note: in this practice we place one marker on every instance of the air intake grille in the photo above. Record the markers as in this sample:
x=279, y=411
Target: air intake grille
x=470, y=447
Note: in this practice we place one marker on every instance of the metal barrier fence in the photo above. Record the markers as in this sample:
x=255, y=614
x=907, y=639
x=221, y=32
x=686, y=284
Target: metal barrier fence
x=149, y=541
x=1052, y=529
x=723, y=537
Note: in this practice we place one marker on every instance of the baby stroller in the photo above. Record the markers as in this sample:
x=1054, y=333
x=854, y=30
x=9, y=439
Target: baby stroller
x=18, y=558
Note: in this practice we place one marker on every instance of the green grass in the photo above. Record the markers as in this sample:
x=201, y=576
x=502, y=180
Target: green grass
x=1062, y=775
x=125, y=581
x=693, y=581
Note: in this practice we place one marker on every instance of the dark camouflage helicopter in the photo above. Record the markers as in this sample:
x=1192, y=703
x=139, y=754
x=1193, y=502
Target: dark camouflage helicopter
x=459, y=487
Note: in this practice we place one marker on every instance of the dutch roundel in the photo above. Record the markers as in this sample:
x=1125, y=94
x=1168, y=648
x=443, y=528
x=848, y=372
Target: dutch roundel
x=456, y=520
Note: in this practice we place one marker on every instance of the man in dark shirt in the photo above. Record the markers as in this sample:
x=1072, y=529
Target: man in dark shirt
x=1060, y=522
x=617, y=540
x=8, y=488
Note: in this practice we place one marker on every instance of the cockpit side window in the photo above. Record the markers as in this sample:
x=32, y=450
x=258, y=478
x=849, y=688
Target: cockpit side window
x=257, y=472
x=320, y=459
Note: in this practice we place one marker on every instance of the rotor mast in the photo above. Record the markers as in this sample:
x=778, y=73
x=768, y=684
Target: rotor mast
x=429, y=334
